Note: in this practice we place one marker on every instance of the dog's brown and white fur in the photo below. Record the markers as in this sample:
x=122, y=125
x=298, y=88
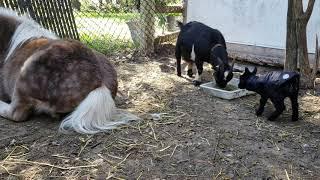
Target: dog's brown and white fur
x=42, y=73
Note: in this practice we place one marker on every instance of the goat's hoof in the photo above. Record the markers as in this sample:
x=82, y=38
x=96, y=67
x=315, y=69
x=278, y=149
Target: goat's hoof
x=179, y=74
x=190, y=73
x=271, y=118
x=259, y=112
x=196, y=83
x=55, y=116
x=294, y=119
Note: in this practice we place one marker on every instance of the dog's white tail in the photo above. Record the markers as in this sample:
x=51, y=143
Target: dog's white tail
x=96, y=113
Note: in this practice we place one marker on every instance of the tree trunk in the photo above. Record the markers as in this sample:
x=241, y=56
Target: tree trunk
x=185, y=11
x=291, y=40
x=100, y=4
x=316, y=60
x=296, y=43
x=148, y=25
x=302, y=19
x=303, y=60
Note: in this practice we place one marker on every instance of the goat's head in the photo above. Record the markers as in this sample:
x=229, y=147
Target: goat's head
x=223, y=72
x=245, y=76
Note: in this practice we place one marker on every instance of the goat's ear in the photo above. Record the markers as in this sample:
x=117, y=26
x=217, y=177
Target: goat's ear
x=246, y=70
x=254, y=70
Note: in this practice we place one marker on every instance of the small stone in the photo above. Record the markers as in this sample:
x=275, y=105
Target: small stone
x=55, y=143
x=306, y=145
x=129, y=56
x=229, y=155
x=12, y=142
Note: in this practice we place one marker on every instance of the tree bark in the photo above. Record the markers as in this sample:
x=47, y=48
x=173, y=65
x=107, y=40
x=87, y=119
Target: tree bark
x=296, y=43
x=303, y=60
x=316, y=59
x=100, y=4
x=302, y=19
x=291, y=61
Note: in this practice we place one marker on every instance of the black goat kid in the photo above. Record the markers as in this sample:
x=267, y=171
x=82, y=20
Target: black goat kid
x=276, y=85
x=198, y=43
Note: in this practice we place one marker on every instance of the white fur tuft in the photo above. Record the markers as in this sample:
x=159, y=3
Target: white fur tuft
x=193, y=54
x=26, y=30
x=226, y=73
x=96, y=113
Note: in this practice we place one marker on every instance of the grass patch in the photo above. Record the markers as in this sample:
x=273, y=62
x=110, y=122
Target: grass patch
x=119, y=16
x=173, y=14
x=106, y=44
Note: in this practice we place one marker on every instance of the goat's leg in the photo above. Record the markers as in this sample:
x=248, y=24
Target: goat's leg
x=263, y=101
x=197, y=80
x=295, y=107
x=15, y=111
x=294, y=99
x=178, y=57
x=190, y=66
x=280, y=107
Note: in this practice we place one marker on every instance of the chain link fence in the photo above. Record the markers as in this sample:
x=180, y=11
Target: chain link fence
x=55, y=15
x=106, y=25
x=116, y=25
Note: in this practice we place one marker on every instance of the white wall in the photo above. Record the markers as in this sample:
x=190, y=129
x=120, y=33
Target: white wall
x=251, y=22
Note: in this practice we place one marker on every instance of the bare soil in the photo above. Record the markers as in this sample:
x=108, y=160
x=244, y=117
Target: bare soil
x=184, y=134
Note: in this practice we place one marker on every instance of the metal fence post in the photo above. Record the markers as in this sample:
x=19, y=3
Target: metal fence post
x=148, y=25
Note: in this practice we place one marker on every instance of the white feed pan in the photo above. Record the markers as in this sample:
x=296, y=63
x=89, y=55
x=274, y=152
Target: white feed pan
x=230, y=92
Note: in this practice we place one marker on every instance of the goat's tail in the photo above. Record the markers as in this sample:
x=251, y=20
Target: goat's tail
x=96, y=113
x=294, y=84
x=180, y=24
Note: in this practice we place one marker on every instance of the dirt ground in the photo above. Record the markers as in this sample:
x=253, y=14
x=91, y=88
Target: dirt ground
x=184, y=134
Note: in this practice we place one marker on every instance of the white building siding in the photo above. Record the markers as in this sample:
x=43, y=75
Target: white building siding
x=251, y=22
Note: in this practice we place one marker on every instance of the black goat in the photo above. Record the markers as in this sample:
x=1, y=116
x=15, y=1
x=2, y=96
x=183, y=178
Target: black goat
x=198, y=43
x=276, y=85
